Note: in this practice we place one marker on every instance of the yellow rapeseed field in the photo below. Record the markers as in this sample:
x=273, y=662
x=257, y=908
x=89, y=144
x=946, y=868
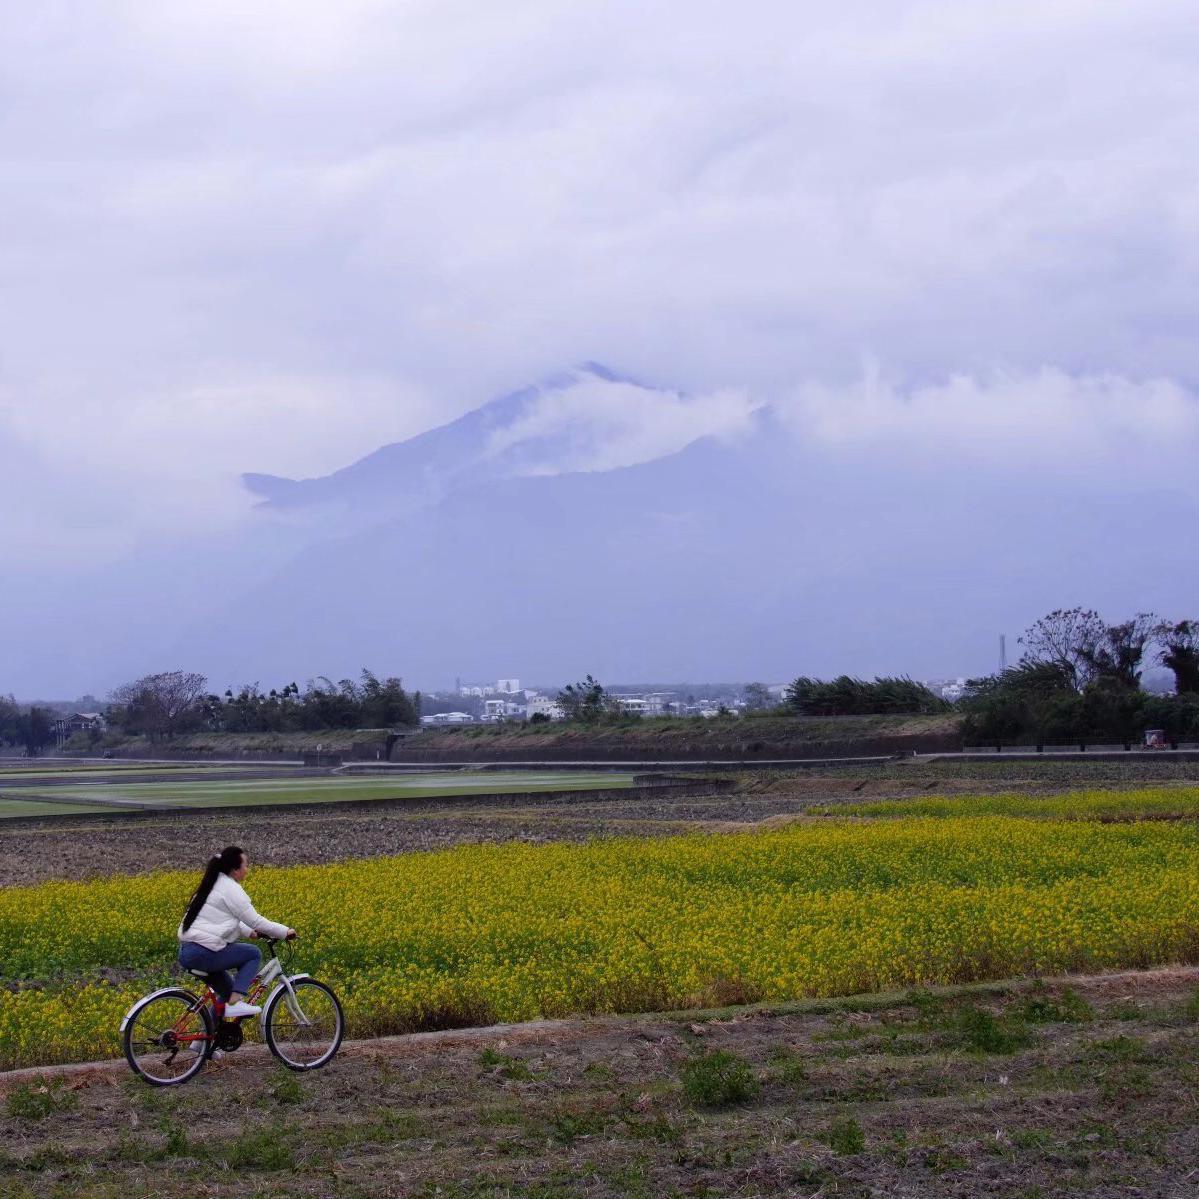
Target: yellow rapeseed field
x=516, y=931
x=1147, y=803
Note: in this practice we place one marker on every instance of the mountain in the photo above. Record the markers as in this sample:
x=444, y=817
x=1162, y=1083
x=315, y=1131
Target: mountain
x=587, y=418
x=743, y=554
x=594, y=523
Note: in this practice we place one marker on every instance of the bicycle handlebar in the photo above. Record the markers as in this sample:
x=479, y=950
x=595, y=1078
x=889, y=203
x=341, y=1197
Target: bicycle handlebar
x=273, y=941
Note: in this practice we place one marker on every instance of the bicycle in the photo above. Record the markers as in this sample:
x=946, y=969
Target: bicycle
x=169, y=1034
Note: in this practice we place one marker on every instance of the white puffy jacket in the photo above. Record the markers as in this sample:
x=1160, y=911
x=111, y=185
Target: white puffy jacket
x=227, y=916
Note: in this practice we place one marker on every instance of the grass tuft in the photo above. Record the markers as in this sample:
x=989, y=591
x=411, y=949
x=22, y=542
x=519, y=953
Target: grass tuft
x=845, y=1136
x=718, y=1079
x=40, y=1098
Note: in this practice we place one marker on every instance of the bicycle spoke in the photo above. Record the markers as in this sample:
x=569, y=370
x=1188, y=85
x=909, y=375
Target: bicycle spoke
x=166, y=1040
x=305, y=1027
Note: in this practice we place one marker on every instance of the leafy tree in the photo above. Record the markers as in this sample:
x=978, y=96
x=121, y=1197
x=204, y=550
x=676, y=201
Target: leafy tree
x=758, y=698
x=586, y=702
x=1179, y=652
x=373, y=703
x=35, y=730
x=386, y=704
x=846, y=696
x=10, y=716
x=1115, y=659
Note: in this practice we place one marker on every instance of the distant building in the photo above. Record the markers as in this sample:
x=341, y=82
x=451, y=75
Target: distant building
x=543, y=705
x=448, y=718
x=502, y=709
x=507, y=686
x=950, y=689
x=80, y=722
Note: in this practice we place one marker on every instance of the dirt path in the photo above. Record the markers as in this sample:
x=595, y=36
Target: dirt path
x=1079, y=1086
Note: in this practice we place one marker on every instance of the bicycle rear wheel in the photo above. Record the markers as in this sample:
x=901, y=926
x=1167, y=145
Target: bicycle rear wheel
x=304, y=1031
x=167, y=1037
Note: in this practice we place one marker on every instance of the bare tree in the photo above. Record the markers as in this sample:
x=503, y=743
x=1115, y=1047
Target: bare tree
x=160, y=704
x=1087, y=649
x=1069, y=638
x=1179, y=652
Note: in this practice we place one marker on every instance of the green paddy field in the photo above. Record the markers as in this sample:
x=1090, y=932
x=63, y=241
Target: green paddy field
x=64, y=791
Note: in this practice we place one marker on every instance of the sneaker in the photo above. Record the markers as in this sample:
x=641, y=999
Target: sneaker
x=235, y=1011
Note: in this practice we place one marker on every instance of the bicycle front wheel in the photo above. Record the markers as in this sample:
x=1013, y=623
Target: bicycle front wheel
x=167, y=1037
x=304, y=1026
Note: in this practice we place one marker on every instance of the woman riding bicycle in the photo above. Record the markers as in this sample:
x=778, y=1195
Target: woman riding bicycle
x=219, y=913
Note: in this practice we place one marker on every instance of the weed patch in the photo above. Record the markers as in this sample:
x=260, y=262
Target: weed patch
x=845, y=1136
x=1119, y=1050
x=658, y=1128
x=979, y=1031
x=286, y=1089
x=1125, y=1009
x=569, y=1125
x=941, y=1158
x=787, y=1067
x=718, y=1079
x=256, y=1149
x=40, y=1098
x=514, y=1069
x=1191, y=1008
x=1067, y=1008
x=175, y=1143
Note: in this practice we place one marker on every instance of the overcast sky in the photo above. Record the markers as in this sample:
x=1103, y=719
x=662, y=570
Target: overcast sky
x=273, y=236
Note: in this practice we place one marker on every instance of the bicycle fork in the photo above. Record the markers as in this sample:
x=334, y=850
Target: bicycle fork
x=273, y=973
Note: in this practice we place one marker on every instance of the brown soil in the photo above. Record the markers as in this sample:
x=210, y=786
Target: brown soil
x=869, y=1097
x=85, y=847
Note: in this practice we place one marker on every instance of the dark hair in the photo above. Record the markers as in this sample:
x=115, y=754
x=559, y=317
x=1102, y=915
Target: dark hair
x=225, y=862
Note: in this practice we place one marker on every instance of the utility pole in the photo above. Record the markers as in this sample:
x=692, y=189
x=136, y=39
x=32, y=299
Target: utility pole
x=1002, y=652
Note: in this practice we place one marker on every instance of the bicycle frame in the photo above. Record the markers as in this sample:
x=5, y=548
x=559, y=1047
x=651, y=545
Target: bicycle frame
x=268, y=980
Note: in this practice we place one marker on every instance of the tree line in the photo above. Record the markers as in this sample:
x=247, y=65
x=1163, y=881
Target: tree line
x=32, y=727
x=1079, y=678
x=177, y=702
x=846, y=696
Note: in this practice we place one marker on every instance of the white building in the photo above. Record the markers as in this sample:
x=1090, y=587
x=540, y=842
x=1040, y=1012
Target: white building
x=543, y=705
x=502, y=709
x=448, y=718
x=950, y=689
x=507, y=686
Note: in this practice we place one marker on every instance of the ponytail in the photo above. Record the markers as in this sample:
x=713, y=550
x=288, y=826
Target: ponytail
x=225, y=862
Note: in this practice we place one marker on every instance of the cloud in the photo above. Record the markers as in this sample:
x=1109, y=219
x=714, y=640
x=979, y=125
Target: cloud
x=1045, y=419
x=165, y=462
x=601, y=424
x=271, y=237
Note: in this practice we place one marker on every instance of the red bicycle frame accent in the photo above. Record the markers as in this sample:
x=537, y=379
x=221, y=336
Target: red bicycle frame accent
x=211, y=999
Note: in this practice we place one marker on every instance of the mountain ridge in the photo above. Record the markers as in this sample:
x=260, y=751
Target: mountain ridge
x=425, y=465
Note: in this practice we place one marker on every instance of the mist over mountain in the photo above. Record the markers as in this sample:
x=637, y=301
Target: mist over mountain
x=586, y=419
x=593, y=523
x=548, y=534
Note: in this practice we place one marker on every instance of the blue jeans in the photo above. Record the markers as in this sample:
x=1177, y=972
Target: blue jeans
x=245, y=959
